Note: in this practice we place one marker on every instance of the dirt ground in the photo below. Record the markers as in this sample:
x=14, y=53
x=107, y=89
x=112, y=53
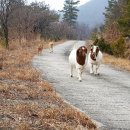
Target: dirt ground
x=27, y=102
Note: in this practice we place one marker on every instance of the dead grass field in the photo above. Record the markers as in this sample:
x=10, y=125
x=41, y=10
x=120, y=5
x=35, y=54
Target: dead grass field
x=119, y=63
x=27, y=102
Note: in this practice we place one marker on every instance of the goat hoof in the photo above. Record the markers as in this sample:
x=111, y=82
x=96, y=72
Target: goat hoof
x=80, y=80
x=96, y=74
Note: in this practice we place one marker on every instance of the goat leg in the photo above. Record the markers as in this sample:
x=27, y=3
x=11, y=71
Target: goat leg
x=79, y=74
x=96, y=70
x=71, y=71
x=91, y=69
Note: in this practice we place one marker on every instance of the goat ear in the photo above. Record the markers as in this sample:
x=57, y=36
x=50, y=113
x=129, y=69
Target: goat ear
x=97, y=50
x=91, y=48
x=86, y=50
x=78, y=51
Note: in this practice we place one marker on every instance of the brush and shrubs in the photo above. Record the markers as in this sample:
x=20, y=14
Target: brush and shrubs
x=116, y=48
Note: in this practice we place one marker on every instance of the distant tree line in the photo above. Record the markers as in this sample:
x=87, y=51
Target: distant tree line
x=22, y=22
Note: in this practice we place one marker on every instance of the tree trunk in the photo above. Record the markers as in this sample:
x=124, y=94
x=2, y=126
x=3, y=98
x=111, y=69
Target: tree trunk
x=6, y=34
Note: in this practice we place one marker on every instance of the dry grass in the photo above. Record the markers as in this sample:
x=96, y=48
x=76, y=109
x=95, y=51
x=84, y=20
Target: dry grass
x=123, y=64
x=29, y=103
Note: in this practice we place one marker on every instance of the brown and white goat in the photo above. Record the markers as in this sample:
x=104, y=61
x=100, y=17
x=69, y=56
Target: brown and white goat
x=40, y=48
x=51, y=46
x=94, y=59
x=77, y=59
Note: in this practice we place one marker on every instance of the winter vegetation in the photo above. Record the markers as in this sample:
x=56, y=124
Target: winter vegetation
x=22, y=22
x=114, y=36
x=27, y=102
x=70, y=12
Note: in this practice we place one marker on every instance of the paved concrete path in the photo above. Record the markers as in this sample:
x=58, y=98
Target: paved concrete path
x=105, y=98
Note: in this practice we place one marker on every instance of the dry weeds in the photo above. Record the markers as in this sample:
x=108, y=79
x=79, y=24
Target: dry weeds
x=119, y=63
x=29, y=103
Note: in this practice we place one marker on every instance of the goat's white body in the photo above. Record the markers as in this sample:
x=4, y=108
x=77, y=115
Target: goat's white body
x=73, y=64
x=51, y=47
x=94, y=64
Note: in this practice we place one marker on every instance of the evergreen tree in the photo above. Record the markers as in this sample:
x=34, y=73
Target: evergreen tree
x=112, y=14
x=124, y=21
x=113, y=11
x=70, y=11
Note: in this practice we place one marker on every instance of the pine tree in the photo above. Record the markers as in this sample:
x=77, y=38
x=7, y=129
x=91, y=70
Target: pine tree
x=112, y=14
x=113, y=11
x=124, y=21
x=70, y=11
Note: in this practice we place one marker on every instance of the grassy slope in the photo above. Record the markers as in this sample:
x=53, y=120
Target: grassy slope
x=120, y=63
x=27, y=102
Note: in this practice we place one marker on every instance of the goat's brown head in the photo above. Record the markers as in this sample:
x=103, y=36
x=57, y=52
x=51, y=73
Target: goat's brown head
x=81, y=55
x=94, y=52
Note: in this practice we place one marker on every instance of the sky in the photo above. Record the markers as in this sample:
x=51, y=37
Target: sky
x=56, y=4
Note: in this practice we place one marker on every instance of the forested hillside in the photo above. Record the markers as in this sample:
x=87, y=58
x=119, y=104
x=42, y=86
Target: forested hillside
x=116, y=31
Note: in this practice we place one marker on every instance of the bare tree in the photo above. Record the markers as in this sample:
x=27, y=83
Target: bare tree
x=4, y=15
x=6, y=8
